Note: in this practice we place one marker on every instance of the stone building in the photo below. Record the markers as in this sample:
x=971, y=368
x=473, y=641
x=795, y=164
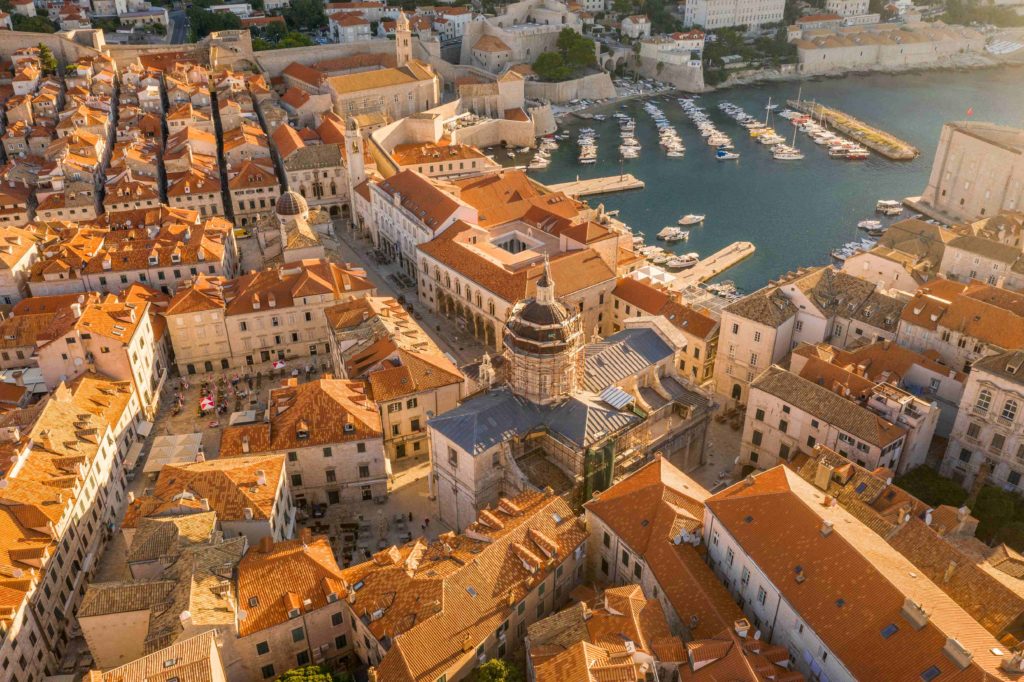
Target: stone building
x=574, y=417
x=978, y=171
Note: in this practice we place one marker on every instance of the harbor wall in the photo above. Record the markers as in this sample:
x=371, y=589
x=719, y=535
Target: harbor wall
x=594, y=86
x=682, y=76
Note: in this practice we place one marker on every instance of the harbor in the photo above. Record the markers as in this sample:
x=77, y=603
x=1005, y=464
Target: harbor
x=796, y=213
x=714, y=265
x=593, y=186
x=878, y=141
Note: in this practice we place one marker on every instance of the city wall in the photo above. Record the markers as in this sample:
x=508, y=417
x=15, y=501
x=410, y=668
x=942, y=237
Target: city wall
x=594, y=86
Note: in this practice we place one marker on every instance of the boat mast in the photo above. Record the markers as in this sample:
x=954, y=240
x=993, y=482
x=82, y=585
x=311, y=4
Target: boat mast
x=767, y=111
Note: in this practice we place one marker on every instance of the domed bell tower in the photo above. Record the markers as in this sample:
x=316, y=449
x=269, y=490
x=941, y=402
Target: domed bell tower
x=543, y=346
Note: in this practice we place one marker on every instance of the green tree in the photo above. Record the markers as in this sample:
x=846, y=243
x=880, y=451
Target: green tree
x=204, y=23
x=550, y=66
x=46, y=58
x=622, y=7
x=1012, y=534
x=497, y=670
x=34, y=24
x=273, y=32
x=306, y=14
x=994, y=509
x=314, y=673
x=295, y=39
x=925, y=484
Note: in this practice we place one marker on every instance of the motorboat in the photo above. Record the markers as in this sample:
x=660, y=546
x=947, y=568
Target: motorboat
x=682, y=262
x=692, y=219
x=726, y=155
x=889, y=207
x=788, y=155
x=869, y=224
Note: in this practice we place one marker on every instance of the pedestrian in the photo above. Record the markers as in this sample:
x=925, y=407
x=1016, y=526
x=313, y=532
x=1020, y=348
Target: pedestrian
x=423, y=526
x=426, y=522
x=410, y=517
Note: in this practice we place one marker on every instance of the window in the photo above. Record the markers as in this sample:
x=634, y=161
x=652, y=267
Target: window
x=262, y=648
x=340, y=642
x=1009, y=410
x=364, y=471
x=783, y=425
x=756, y=438
x=784, y=452
x=735, y=329
x=607, y=539
x=984, y=401
x=811, y=441
x=411, y=403
x=327, y=452
x=762, y=596
x=604, y=566
x=753, y=359
x=798, y=326
x=293, y=457
x=965, y=455
x=931, y=673
x=998, y=441
x=889, y=630
x=330, y=475
x=395, y=407
x=729, y=556
x=267, y=671
x=297, y=480
x=638, y=570
x=360, y=447
x=625, y=558
x=1014, y=478
x=302, y=658
x=759, y=415
x=973, y=430
x=453, y=458
x=298, y=634
x=757, y=337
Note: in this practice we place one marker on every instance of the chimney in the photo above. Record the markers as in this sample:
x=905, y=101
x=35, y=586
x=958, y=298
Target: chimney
x=949, y=571
x=914, y=613
x=247, y=513
x=306, y=535
x=131, y=497
x=261, y=477
x=749, y=481
x=826, y=528
x=266, y=544
x=19, y=378
x=822, y=475
x=245, y=449
x=957, y=653
x=962, y=513
x=200, y=457
x=742, y=627
x=204, y=504
x=76, y=310
x=1014, y=664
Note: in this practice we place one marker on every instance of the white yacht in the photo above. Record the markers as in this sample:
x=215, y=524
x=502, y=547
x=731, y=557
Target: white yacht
x=692, y=219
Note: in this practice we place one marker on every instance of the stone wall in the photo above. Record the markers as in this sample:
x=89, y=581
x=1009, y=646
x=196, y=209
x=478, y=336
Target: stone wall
x=275, y=61
x=686, y=78
x=594, y=86
x=543, y=119
x=66, y=47
x=496, y=131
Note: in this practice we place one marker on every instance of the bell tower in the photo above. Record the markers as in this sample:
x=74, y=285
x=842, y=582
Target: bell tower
x=403, y=40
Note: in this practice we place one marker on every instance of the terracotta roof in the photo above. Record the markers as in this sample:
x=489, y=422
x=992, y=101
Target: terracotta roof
x=295, y=98
x=654, y=301
x=275, y=580
x=819, y=401
x=230, y=486
x=855, y=585
x=459, y=589
x=431, y=205
x=320, y=412
x=976, y=310
x=306, y=74
x=286, y=140
x=489, y=43
x=412, y=72
x=440, y=152
x=187, y=660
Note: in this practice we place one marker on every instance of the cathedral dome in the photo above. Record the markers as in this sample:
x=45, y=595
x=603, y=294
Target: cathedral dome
x=292, y=204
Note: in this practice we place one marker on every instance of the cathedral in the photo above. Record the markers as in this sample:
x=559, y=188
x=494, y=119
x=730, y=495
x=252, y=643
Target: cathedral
x=557, y=413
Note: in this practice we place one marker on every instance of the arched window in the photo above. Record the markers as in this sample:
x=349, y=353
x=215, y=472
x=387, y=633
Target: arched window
x=1009, y=410
x=984, y=401
x=490, y=308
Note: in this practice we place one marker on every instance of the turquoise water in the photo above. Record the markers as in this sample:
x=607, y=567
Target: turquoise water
x=795, y=212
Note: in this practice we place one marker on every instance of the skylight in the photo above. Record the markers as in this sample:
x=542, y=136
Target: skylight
x=889, y=630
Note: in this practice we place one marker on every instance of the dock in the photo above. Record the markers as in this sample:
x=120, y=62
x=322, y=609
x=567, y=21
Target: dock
x=587, y=188
x=878, y=141
x=714, y=265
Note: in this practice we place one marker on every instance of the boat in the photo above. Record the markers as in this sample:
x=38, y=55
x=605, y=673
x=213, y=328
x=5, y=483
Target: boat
x=788, y=155
x=661, y=259
x=672, y=233
x=889, y=207
x=523, y=150
x=691, y=219
x=869, y=224
x=682, y=262
x=726, y=155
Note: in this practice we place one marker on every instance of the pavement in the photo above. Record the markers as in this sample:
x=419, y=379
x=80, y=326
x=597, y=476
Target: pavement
x=344, y=247
x=179, y=27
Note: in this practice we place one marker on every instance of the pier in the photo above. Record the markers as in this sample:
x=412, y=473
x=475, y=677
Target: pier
x=878, y=141
x=586, y=188
x=713, y=265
